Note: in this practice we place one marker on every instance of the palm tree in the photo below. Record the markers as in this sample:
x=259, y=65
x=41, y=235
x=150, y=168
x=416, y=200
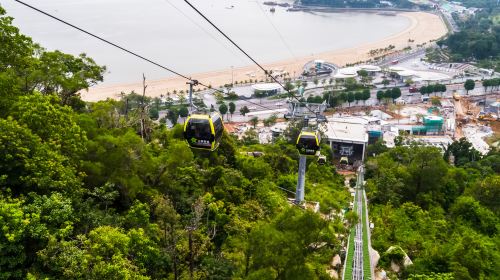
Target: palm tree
x=254, y=121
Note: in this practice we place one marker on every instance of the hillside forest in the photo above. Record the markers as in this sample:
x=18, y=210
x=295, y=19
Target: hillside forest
x=443, y=217
x=478, y=39
x=101, y=191
x=104, y=191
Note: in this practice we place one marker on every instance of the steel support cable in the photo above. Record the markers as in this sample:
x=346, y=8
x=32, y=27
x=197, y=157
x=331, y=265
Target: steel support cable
x=126, y=50
x=244, y=52
x=203, y=29
x=227, y=37
x=276, y=29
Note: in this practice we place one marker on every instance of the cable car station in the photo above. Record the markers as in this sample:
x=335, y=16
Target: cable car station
x=347, y=139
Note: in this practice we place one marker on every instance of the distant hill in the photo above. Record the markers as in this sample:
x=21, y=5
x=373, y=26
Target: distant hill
x=478, y=3
x=358, y=3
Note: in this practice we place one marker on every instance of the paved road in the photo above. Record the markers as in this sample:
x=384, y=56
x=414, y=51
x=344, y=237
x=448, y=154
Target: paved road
x=402, y=57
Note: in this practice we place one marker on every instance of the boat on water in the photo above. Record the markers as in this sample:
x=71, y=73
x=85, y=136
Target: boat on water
x=230, y=7
x=272, y=10
x=270, y=3
x=387, y=13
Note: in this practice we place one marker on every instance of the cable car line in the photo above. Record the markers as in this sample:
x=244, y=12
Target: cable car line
x=227, y=37
x=127, y=51
x=277, y=31
x=245, y=53
x=308, y=143
x=204, y=30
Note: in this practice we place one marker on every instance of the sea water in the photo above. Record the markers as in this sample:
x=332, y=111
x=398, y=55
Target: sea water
x=172, y=34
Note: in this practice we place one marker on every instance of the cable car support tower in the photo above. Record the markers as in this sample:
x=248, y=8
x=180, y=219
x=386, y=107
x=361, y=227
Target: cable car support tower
x=308, y=144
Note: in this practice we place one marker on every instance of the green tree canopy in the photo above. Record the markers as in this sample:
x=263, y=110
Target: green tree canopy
x=469, y=85
x=244, y=110
x=223, y=109
x=350, y=98
x=232, y=108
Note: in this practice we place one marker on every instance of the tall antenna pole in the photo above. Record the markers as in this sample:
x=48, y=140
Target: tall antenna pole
x=299, y=194
x=301, y=180
x=191, y=84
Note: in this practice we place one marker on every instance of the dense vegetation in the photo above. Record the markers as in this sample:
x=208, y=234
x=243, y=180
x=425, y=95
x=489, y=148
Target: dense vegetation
x=101, y=191
x=478, y=39
x=357, y=3
x=478, y=3
x=444, y=217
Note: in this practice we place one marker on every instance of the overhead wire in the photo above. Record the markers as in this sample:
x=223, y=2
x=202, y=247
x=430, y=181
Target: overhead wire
x=202, y=28
x=276, y=30
x=266, y=72
x=227, y=37
x=130, y=52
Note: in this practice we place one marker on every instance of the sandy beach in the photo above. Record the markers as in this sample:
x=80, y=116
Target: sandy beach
x=423, y=28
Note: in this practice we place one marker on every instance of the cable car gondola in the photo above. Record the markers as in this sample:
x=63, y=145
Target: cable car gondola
x=308, y=143
x=204, y=131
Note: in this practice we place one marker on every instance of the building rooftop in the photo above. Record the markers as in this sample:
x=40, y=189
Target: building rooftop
x=266, y=87
x=344, y=76
x=352, y=72
x=346, y=132
x=433, y=118
x=418, y=76
x=370, y=68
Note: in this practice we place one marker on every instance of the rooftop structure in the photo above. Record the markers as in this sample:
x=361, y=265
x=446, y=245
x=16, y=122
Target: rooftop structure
x=440, y=142
x=344, y=76
x=418, y=76
x=346, y=132
x=370, y=68
x=347, y=138
x=267, y=87
x=352, y=72
x=318, y=67
x=298, y=110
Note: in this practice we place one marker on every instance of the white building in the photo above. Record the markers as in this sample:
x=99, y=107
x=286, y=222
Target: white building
x=352, y=72
x=347, y=138
x=267, y=89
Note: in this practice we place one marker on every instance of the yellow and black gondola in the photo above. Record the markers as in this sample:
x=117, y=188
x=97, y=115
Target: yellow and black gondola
x=204, y=131
x=308, y=143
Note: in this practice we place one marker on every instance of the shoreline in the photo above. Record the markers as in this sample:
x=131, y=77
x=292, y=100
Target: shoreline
x=423, y=28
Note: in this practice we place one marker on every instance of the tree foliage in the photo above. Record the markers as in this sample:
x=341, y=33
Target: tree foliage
x=84, y=196
x=440, y=215
x=244, y=110
x=479, y=36
x=469, y=85
x=101, y=191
